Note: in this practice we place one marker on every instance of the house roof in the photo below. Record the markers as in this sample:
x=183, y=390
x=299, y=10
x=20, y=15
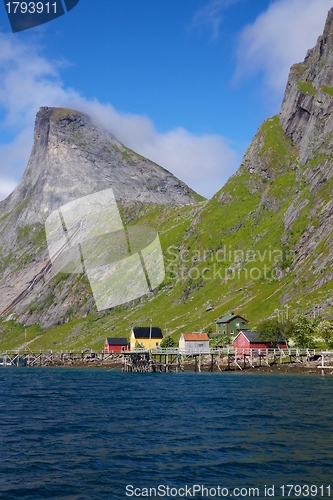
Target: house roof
x=252, y=337
x=145, y=332
x=228, y=317
x=117, y=341
x=195, y=336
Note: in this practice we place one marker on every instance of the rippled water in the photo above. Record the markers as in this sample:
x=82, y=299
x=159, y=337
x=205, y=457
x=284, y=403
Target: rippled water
x=88, y=434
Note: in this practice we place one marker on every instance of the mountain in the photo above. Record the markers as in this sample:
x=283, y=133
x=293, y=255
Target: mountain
x=70, y=159
x=277, y=208
x=262, y=246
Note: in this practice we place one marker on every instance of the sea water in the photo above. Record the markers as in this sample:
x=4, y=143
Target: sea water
x=96, y=434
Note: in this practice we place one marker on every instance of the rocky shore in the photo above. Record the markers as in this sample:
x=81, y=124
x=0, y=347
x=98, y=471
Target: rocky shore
x=305, y=367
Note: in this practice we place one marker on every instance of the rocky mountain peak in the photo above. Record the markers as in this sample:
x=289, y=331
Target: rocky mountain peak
x=72, y=157
x=306, y=112
x=328, y=29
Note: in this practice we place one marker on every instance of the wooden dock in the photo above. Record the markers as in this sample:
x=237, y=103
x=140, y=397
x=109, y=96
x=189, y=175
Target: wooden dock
x=169, y=360
x=326, y=362
x=50, y=358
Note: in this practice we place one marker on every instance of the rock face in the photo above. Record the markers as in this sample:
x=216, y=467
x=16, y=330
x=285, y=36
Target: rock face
x=306, y=112
x=72, y=157
x=286, y=182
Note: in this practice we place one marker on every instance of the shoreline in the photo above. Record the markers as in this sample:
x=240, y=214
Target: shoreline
x=277, y=368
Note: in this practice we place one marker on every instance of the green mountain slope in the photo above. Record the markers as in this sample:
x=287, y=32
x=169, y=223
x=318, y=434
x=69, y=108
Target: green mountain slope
x=262, y=244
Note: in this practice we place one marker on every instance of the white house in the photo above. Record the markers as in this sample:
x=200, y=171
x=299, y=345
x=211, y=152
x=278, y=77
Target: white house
x=194, y=343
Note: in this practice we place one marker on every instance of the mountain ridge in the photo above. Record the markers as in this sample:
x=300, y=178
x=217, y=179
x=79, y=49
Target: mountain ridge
x=72, y=157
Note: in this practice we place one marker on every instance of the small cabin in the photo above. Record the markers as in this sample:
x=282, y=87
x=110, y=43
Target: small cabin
x=194, y=343
x=146, y=337
x=247, y=341
x=115, y=345
x=231, y=324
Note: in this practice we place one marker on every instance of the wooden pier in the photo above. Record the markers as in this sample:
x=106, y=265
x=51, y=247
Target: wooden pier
x=170, y=360
x=174, y=360
x=326, y=362
x=24, y=358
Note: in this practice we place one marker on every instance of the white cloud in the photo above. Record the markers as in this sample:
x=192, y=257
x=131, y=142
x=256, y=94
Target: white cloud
x=211, y=16
x=204, y=162
x=280, y=37
x=28, y=81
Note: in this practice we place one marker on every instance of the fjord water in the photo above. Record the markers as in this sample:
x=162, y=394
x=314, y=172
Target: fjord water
x=88, y=434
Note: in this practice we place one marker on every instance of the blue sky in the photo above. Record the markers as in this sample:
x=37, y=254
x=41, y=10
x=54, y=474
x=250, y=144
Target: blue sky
x=184, y=82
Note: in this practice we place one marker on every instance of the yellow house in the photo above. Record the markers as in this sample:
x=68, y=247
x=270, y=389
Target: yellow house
x=146, y=337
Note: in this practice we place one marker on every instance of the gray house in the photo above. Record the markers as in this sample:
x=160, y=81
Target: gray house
x=194, y=343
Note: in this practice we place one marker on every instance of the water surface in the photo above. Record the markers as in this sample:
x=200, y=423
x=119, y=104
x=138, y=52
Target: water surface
x=88, y=434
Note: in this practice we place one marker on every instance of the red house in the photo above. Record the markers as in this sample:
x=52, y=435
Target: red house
x=115, y=345
x=245, y=341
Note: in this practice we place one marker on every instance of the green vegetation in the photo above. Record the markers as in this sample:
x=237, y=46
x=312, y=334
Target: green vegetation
x=276, y=143
x=271, y=330
x=298, y=69
x=327, y=90
x=234, y=252
x=59, y=113
x=168, y=342
x=301, y=331
x=222, y=340
x=324, y=330
x=306, y=87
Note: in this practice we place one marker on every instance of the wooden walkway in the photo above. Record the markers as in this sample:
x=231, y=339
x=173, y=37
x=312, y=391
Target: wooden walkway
x=169, y=360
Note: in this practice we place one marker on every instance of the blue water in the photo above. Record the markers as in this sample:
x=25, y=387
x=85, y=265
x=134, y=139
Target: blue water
x=98, y=434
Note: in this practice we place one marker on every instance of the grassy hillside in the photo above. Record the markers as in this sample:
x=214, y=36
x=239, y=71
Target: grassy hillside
x=237, y=252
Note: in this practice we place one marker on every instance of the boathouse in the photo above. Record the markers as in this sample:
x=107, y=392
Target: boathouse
x=146, y=337
x=231, y=324
x=247, y=341
x=194, y=343
x=115, y=345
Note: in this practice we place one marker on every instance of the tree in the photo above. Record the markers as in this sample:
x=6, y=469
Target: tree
x=324, y=329
x=208, y=329
x=167, y=342
x=301, y=332
x=270, y=330
x=221, y=340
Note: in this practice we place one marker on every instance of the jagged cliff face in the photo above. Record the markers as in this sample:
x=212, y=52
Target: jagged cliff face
x=287, y=171
x=71, y=157
x=306, y=112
